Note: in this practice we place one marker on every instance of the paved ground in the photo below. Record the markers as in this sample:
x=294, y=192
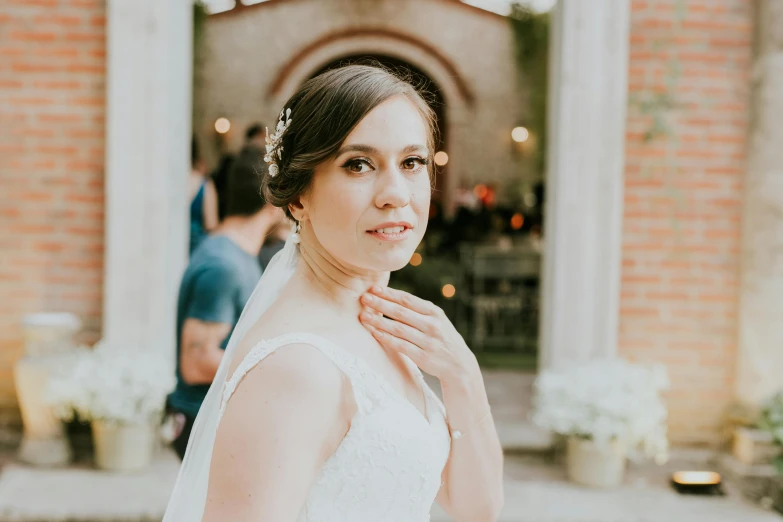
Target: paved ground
x=86, y=495
x=535, y=492
x=536, y=489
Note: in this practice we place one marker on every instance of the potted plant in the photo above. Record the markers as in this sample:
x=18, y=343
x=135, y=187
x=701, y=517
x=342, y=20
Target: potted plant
x=608, y=410
x=771, y=421
x=122, y=393
x=48, y=340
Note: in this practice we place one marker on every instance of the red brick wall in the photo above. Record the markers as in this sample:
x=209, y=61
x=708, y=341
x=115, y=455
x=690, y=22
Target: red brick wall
x=685, y=160
x=52, y=72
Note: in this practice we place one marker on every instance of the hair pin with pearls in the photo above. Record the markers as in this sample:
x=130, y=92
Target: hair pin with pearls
x=274, y=143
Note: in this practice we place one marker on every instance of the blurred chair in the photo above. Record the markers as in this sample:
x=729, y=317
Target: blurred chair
x=498, y=306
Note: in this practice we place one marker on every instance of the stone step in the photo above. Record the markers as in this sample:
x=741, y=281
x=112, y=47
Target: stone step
x=82, y=494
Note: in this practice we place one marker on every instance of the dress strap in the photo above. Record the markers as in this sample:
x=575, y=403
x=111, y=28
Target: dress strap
x=342, y=359
x=431, y=400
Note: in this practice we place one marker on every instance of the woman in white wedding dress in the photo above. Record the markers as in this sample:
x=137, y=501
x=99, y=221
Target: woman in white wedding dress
x=319, y=411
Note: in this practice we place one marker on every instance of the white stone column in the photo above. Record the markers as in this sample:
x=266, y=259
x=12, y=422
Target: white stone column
x=584, y=187
x=148, y=131
x=760, y=358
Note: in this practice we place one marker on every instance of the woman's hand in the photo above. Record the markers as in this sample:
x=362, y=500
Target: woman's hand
x=420, y=330
x=473, y=477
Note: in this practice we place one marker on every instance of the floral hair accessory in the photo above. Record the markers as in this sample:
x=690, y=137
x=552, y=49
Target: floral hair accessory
x=274, y=143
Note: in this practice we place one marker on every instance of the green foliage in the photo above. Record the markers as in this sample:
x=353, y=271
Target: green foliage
x=508, y=361
x=657, y=107
x=199, y=22
x=531, y=36
x=199, y=19
x=427, y=279
x=659, y=104
x=778, y=463
x=771, y=420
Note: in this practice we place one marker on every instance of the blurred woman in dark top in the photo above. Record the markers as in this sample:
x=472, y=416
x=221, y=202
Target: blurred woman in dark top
x=203, y=199
x=220, y=180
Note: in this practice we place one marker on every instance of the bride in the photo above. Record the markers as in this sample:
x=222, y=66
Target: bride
x=319, y=411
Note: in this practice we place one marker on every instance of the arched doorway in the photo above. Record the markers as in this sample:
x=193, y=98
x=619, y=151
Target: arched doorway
x=432, y=93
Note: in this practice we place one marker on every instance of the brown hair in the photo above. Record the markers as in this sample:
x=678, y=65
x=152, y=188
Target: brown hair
x=323, y=112
x=243, y=196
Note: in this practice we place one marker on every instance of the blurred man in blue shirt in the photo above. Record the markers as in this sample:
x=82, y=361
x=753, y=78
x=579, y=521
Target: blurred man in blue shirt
x=221, y=275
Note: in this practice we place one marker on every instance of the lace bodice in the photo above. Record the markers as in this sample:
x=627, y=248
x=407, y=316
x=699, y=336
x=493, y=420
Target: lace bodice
x=388, y=467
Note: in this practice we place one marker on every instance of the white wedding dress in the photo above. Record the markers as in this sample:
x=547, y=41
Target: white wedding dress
x=388, y=467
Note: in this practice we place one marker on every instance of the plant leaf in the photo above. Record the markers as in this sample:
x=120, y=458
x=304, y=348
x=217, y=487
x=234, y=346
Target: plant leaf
x=778, y=463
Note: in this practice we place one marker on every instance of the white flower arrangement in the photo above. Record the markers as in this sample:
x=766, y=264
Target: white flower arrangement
x=605, y=400
x=111, y=384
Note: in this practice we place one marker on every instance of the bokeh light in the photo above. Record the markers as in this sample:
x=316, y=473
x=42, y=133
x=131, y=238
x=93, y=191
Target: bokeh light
x=222, y=125
x=517, y=220
x=441, y=158
x=520, y=134
x=416, y=259
x=449, y=291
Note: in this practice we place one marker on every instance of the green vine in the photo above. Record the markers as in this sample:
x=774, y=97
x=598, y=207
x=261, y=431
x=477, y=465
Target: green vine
x=656, y=105
x=659, y=104
x=771, y=421
x=531, y=38
x=199, y=21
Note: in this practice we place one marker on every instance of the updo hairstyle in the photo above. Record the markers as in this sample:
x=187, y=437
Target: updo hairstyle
x=323, y=113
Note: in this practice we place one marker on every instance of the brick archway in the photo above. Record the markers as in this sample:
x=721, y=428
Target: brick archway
x=588, y=89
x=456, y=93
x=382, y=41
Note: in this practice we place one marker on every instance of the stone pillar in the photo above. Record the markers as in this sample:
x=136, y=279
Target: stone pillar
x=147, y=164
x=760, y=357
x=584, y=187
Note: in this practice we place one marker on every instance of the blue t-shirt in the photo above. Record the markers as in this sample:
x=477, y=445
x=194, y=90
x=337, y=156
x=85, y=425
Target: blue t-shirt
x=215, y=287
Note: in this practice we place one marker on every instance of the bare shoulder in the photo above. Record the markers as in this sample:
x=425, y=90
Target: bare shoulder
x=293, y=373
x=287, y=416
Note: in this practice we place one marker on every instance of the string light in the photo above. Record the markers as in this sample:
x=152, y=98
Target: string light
x=449, y=291
x=517, y=220
x=416, y=259
x=520, y=134
x=441, y=158
x=222, y=125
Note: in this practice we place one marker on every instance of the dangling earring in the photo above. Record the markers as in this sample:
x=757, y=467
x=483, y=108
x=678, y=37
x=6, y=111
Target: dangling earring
x=295, y=235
